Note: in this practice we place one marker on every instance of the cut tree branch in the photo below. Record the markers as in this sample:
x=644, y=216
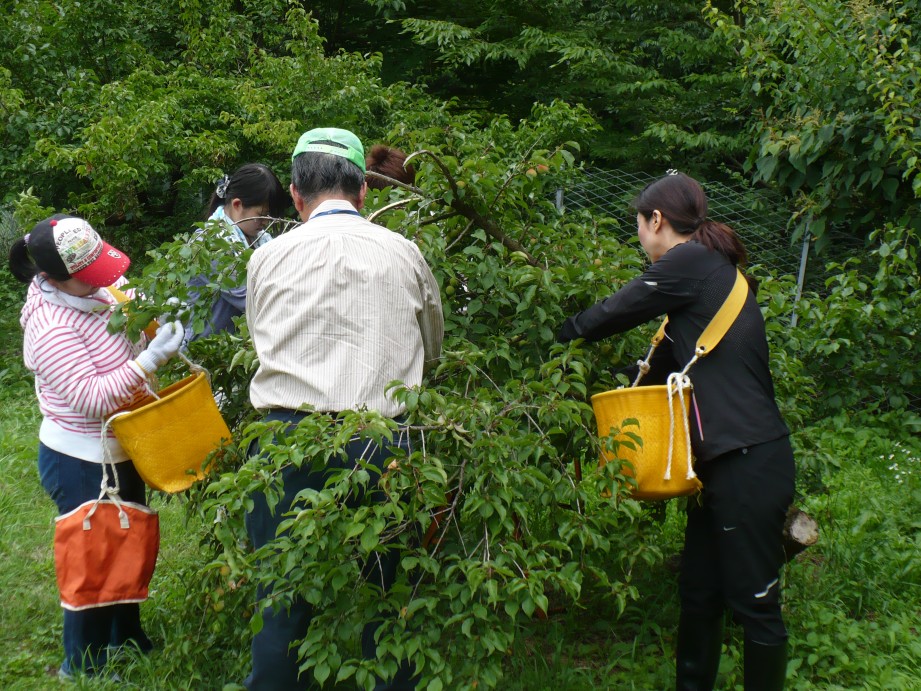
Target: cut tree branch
x=800, y=530
x=466, y=210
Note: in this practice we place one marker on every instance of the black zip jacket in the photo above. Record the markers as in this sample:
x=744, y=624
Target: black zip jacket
x=734, y=393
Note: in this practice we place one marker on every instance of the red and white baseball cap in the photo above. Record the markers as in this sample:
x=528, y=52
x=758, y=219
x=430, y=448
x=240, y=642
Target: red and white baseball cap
x=67, y=247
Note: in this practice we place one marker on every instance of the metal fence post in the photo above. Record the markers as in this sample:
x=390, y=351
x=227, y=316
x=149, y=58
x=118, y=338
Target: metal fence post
x=559, y=199
x=801, y=277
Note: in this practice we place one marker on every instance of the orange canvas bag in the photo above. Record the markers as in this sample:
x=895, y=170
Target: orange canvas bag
x=105, y=551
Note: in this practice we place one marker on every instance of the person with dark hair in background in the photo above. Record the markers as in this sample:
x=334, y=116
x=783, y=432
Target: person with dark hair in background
x=388, y=161
x=83, y=374
x=240, y=208
x=733, y=549
x=338, y=308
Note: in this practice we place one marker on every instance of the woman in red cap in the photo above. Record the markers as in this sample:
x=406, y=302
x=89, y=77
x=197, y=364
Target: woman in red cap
x=83, y=374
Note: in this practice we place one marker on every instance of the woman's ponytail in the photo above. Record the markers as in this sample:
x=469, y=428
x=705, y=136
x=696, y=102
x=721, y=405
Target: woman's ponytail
x=720, y=237
x=20, y=262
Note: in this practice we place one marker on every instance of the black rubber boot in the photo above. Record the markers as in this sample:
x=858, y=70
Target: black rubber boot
x=765, y=666
x=697, y=659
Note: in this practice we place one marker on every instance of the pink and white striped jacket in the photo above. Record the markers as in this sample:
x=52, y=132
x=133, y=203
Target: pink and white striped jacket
x=83, y=373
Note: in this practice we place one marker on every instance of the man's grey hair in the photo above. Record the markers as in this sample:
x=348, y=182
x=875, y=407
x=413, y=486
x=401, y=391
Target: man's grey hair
x=314, y=174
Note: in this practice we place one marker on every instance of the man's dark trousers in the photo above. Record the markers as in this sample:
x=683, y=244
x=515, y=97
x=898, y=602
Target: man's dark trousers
x=274, y=667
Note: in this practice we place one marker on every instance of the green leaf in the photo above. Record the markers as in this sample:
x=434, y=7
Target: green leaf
x=256, y=623
x=369, y=539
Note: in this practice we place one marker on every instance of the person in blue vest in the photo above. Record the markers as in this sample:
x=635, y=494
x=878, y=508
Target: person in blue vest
x=241, y=207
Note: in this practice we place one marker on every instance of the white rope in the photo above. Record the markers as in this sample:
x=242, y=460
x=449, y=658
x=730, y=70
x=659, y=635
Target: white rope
x=194, y=367
x=643, y=366
x=104, y=489
x=694, y=359
x=681, y=382
x=107, y=460
x=678, y=382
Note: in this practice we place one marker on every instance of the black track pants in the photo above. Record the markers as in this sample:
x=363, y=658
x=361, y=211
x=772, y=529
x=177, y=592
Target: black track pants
x=733, y=547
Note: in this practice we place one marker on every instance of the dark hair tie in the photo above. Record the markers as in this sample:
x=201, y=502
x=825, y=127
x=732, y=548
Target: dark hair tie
x=699, y=221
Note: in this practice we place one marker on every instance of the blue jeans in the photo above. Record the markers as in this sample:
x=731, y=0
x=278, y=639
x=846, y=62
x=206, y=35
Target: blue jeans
x=274, y=667
x=90, y=632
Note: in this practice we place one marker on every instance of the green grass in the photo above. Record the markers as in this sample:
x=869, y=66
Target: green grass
x=30, y=641
x=853, y=602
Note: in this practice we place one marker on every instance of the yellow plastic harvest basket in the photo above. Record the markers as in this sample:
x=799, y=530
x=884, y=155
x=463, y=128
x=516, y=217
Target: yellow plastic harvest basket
x=169, y=436
x=658, y=429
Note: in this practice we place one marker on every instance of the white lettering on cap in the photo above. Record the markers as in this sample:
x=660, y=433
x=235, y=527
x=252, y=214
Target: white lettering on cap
x=78, y=245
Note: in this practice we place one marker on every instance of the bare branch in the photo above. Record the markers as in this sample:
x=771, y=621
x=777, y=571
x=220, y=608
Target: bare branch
x=393, y=182
x=462, y=207
x=392, y=205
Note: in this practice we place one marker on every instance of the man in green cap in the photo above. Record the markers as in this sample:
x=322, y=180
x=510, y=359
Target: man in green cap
x=337, y=308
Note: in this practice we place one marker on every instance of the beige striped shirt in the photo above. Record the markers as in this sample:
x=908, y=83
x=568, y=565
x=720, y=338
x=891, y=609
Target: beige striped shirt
x=338, y=308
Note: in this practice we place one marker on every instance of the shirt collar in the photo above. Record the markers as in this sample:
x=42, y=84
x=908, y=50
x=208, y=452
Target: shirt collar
x=97, y=302
x=332, y=205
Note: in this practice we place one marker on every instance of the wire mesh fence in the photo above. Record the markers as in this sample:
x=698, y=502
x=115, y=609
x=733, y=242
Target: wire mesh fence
x=761, y=218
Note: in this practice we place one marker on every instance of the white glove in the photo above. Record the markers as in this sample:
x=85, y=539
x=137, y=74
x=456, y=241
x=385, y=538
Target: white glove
x=163, y=346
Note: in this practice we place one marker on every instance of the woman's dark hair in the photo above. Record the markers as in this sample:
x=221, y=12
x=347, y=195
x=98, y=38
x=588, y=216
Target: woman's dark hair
x=253, y=184
x=682, y=201
x=388, y=161
x=22, y=260
x=21, y=264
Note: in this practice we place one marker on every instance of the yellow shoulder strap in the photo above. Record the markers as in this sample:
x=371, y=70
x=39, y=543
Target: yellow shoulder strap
x=660, y=334
x=721, y=321
x=119, y=296
x=724, y=318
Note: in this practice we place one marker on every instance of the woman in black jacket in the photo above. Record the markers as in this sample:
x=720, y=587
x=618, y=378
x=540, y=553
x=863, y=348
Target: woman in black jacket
x=733, y=548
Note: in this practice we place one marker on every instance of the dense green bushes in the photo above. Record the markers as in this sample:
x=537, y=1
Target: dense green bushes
x=130, y=127
x=836, y=90
x=129, y=123
x=497, y=428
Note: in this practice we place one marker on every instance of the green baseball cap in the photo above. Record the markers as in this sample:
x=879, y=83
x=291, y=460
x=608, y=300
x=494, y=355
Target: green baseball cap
x=349, y=145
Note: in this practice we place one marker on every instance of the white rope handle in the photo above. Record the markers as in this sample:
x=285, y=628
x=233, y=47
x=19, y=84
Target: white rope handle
x=115, y=499
x=643, y=366
x=105, y=490
x=107, y=461
x=678, y=382
x=194, y=367
x=694, y=359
